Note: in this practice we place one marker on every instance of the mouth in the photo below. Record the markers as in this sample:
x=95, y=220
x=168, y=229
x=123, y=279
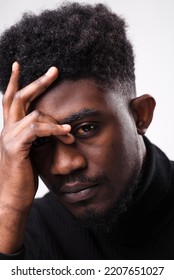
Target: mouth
x=76, y=192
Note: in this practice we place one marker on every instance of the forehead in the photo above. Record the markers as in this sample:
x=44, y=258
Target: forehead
x=70, y=97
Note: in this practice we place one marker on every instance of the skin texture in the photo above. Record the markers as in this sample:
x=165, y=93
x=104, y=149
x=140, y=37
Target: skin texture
x=18, y=179
x=87, y=168
x=106, y=156
x=99, y=161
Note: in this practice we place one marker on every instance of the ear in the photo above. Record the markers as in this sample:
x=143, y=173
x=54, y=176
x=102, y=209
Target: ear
x=142, y=109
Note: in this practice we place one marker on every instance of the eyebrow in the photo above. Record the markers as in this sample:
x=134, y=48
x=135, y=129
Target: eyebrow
x=77, y=116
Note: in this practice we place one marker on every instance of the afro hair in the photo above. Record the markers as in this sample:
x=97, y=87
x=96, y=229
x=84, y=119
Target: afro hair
x=82, y=41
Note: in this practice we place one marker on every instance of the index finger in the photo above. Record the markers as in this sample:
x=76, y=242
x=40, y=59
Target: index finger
x=23, y=98
x=12, y=88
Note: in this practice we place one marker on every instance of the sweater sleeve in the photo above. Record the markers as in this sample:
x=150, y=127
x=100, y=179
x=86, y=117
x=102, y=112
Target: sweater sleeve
x=20, y=255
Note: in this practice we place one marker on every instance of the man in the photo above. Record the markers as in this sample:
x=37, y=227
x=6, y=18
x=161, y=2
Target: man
x=80, y=127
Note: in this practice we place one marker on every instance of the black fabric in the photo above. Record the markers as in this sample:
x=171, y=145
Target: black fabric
x=145, y=231
x=20, y=255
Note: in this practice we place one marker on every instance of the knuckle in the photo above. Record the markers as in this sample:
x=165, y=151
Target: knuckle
x=5, y=100
x=41, y=83
x=52, y=127
x=33, y=126
x=18, y=95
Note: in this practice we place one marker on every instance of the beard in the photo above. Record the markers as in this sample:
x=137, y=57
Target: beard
x=105, y=222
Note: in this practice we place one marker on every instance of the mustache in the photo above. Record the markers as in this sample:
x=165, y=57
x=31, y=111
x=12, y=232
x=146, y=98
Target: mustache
x=80, y=178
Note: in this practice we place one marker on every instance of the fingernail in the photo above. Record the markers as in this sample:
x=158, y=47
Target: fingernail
x=15, y=66
x=70, y=135
x=66, y=126
x=51, y=71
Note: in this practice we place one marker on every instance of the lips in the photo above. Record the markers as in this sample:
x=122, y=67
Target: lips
x=76, y=192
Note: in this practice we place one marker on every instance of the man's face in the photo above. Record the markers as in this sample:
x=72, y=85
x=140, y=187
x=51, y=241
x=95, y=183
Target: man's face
x=92, y=173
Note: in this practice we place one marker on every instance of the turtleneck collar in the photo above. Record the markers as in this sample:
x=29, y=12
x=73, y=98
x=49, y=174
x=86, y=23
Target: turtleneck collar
x=149, y=201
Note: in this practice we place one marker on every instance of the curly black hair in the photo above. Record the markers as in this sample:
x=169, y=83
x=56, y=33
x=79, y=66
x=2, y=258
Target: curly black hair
x=82, y=41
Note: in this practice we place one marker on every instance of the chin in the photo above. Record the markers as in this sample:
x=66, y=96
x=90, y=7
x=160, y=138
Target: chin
x=98, y=222
x=105, y=220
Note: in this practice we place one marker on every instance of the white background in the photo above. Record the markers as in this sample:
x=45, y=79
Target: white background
x=81, y=269
x=151, y=30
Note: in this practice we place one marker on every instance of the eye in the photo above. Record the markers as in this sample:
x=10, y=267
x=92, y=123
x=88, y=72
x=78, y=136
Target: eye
x=85, y=130
x=40, y=141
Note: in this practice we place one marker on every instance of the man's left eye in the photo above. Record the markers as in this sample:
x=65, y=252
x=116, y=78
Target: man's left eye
x=84, y=130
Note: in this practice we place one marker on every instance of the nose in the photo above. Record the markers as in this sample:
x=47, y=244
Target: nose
x=67, y=159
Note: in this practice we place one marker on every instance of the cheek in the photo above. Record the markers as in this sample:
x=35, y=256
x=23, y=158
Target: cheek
x=112, y=154
x=101, y=152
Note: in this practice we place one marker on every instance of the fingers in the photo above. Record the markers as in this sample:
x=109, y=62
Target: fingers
x=19, y=101
x=23, y=128
x=36, y=117
x=35, y=125
x=33, y=117
x=38, y=130
x=66, y=139
x=25, y=96
x=12, y=88
x=39, y=123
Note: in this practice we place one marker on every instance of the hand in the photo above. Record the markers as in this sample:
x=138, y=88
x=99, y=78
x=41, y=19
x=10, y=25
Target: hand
x=18, y=180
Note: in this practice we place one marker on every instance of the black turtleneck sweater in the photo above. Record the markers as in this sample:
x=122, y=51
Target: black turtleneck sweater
x=145, y=231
